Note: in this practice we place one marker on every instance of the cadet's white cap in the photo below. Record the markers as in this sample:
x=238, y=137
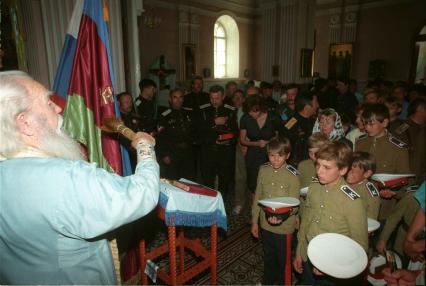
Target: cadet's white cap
x=372, y=224
x=280, y=202
x=337, y=255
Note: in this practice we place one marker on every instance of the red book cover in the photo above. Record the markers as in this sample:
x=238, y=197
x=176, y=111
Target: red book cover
x=201, y=190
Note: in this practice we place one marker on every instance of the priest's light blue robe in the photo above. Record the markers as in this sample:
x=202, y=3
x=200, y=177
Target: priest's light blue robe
x=53, y=212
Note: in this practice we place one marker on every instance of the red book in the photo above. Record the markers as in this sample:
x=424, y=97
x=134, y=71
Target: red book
x=200, y=190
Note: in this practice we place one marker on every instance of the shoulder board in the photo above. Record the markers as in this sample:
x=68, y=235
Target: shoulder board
x=167, y=112
x=401, y=128
x=229, y=106
x=363, y=136
x=398, y=143
x=205, y=105
x=187, y=108
x=292, y=170
x=315, y=180
x=138, y=102
x=349, y=192
x=290, y=123
x=372, y=189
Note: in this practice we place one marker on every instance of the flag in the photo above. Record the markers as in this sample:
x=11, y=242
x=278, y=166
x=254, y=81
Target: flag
x=85, y=79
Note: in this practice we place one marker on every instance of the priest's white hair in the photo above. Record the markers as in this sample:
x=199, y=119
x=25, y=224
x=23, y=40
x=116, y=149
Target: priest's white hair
x=13, y=100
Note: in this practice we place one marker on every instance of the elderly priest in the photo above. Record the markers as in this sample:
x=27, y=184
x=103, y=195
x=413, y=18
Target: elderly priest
x=55, y=207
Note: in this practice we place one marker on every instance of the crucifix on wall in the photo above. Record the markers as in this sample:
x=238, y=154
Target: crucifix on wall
x=162, y=70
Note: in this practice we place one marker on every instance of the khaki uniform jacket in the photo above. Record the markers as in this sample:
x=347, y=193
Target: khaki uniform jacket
x=307, y=172
x=414, y=135
x=391, y=157
x=371, y=198
x=330, y=209
x=273, y=183
x=405, y=210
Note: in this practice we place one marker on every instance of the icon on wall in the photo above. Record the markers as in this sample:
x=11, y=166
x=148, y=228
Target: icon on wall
x=339, y=62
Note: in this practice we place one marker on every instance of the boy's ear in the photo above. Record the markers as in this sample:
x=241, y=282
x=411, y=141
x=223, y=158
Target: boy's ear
x=287, y=156
x=385, y=122
x=368, y=174
x=343, y=171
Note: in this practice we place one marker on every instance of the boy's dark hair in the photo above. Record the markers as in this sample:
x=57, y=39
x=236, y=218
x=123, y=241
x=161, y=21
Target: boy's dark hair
x=344, y=80
x=291, y=86
x=412, y=108
x=364, y=160
x=229, y=83
x=376, y=111
x=239, y=91
x=320, y=83
x=176, y=89
x=317, y=140
x=336, y=151
x=361, y=107
x=146, y=82
x=393, y=101
x=216, y=88
x=280, y=145
x=303, y=99
x=197, y=77
x=254, y=101
x=266, y=85
x=121, y=94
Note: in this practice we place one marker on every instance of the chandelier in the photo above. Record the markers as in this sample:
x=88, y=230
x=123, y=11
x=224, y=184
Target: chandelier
x=151, y=20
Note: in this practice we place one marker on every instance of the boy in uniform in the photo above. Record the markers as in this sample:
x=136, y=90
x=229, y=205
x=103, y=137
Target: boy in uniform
x=331, y=206
x=391, y=153
x=306, y=167
x=276, y=179
x=363, y=167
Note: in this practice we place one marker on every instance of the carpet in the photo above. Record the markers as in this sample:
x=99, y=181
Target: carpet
x=239, y=256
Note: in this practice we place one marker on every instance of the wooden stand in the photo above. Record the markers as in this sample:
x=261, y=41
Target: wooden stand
x=175, y=277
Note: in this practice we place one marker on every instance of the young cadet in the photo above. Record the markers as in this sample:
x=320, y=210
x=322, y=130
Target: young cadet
x=391, y=153
x=363, y=167
x=404, y=213
x=275, y=179
x=331, y=207
x=306, y=167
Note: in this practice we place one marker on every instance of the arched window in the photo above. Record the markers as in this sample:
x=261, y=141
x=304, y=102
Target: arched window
x=226, y=48
x=219, y=50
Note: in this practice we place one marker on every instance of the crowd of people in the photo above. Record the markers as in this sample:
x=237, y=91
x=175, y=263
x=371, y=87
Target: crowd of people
x=254, y=142
x=250, y=144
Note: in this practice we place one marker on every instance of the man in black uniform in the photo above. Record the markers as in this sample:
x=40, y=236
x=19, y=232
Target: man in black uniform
x=192, y=103
x=145, y=106
x=300, y=126
x=218, y=127
x=131, y=120
x=174, y=140
x=266, y=88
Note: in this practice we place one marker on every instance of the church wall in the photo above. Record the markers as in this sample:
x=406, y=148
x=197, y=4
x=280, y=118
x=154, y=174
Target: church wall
x=158, y=41
x=384, y=32
x=165, y=40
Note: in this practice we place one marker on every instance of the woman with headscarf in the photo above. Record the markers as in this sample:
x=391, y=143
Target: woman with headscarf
x=329, y=123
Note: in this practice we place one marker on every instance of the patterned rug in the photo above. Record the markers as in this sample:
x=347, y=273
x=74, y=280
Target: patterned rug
x=239, y=256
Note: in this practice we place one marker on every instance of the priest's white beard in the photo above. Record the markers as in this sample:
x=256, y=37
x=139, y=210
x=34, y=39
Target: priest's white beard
x=56, y=143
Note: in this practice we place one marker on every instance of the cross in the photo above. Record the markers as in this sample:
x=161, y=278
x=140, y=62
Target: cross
x=162, y=72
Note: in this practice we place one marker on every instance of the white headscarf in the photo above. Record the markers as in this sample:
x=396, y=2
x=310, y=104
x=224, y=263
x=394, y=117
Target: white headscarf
x=337, y=132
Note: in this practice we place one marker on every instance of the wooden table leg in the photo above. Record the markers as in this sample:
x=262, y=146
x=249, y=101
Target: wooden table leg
x=172, y=254
x=181, y=251
x=287, y=272
x=142, y=252
x=213, y=254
